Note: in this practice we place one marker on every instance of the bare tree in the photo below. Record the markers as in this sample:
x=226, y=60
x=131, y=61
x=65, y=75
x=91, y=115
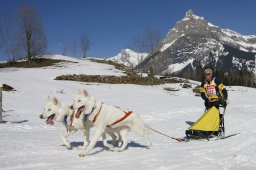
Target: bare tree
x=33, y=37
x=1, y=105
x=84, y=44
x=147, y=42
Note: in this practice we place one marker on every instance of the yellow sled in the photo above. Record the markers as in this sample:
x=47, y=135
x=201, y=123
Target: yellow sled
x=209, y=121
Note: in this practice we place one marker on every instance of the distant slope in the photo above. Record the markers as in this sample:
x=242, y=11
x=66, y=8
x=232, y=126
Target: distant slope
x=129, y=58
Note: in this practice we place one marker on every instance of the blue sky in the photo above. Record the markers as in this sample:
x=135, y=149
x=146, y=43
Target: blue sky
x=111, y=24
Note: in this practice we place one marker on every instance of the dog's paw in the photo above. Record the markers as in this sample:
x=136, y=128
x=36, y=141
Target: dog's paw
x=82, y=147
x=111, y=149
x=82, y=155
x=120, y=143
x=114, y=149
x=117, y=149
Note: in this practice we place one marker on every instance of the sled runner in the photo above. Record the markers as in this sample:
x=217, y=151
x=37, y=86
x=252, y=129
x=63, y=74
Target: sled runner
x=209, y=125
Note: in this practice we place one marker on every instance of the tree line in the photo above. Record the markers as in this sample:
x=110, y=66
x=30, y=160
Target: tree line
x=22, y=36
x=233, y=77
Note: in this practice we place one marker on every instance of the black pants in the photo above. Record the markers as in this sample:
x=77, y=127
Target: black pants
x=208, y=104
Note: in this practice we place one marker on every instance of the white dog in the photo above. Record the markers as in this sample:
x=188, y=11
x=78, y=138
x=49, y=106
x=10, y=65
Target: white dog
x=103, y=116
x=57, y=111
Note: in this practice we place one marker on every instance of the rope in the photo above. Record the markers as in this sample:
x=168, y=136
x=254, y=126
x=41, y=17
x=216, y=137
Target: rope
x=177, y=139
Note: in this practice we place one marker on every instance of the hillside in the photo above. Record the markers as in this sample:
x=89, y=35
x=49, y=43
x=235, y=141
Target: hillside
x=28, y=143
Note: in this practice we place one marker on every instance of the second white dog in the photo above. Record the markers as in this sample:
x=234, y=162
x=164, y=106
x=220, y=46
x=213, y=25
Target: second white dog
x=102, y=116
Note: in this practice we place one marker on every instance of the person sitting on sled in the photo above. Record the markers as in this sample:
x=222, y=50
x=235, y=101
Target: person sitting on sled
x=215, y=95
x=213, y=92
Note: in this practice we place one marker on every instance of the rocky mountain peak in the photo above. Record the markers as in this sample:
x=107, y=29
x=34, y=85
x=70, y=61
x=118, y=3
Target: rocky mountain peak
x=191, y=25
x=189, y=13
x=194, y=42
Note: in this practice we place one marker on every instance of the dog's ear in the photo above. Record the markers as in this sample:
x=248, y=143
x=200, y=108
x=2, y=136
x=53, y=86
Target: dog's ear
x=85, y=93
x=55, y=100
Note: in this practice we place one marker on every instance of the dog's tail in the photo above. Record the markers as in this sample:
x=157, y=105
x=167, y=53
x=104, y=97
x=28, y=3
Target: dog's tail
x=139, y=127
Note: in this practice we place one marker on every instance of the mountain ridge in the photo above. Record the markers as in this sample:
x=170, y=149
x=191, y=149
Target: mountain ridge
x=195, y=42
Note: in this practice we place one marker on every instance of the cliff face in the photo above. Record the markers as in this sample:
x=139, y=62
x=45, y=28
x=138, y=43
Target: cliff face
x=195, y=42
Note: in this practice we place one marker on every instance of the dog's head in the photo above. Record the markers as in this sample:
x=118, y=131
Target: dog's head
x=83, y=103
x=52, y=111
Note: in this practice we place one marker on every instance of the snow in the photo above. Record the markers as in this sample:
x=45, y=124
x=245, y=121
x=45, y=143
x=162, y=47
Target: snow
x=243, y=44
x=165, y=46
x=247, y=37
x=243, y=49
x=129, y=58
x=187, y=18
x=179, y=66
x=242, y=38
x=61, y=57
x=211, y=25
x=28, y=143
x=246, y=45
x=231, y=33
x=236, y=62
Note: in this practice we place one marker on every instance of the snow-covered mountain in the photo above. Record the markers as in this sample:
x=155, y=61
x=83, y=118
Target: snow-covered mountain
x=196, y=42
x=129, y=58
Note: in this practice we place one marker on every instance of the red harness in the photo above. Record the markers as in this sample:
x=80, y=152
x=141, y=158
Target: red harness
x=119, y=120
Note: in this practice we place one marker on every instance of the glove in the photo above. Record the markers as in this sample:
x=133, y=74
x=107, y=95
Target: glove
x=224, y=103
x=208, y=104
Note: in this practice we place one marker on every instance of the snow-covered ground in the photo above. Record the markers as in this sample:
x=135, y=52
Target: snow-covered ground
x=26, y=142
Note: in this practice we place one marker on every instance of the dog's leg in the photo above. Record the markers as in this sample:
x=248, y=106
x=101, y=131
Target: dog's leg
x=143, y=133
x=95, y=138
x=111, y=133
x=64, y=138
x=86, y=138
x=120, y=141
x=123, y=134
x=105, y=142
x=138, y=128
x=146, y=133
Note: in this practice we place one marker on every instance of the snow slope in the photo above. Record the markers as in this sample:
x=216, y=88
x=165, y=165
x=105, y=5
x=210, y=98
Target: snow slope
x=28, y=143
